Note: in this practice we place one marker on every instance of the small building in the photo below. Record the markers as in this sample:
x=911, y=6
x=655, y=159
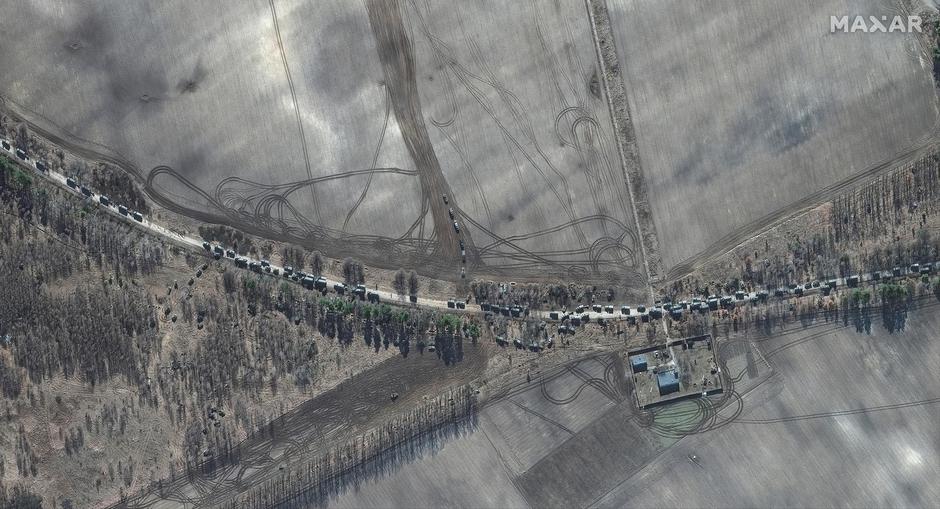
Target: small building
x=668, y=382
x=638, y=363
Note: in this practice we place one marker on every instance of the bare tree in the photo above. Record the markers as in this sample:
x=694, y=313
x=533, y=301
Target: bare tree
x=22, y=137
x=413, y=284
x=292, y=256
x=353, y=272
x=400, y=283
x=316, y=263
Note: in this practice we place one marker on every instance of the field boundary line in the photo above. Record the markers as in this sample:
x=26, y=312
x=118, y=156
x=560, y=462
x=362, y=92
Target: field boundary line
x=625, y=137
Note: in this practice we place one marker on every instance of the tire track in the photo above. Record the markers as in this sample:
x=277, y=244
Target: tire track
x=839, y=413
x=375, y=160
x=293, y=95
x=396, y=54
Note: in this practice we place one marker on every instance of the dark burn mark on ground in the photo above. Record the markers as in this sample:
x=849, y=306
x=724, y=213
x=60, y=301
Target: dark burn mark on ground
x=191, y=84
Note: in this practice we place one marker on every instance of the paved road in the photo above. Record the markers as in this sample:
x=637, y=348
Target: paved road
x=619, y=312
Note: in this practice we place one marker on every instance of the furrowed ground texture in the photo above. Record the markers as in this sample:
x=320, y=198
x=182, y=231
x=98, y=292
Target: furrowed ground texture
x=747, y=111
x=573, y=437
x=341, y=125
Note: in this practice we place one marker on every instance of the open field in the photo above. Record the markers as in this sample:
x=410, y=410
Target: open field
x=811, y=416
x=848, y=419
x=339, y=125
x=746, y=111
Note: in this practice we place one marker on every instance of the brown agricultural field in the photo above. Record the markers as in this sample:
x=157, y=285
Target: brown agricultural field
x=341, y=125
x=748, y=111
